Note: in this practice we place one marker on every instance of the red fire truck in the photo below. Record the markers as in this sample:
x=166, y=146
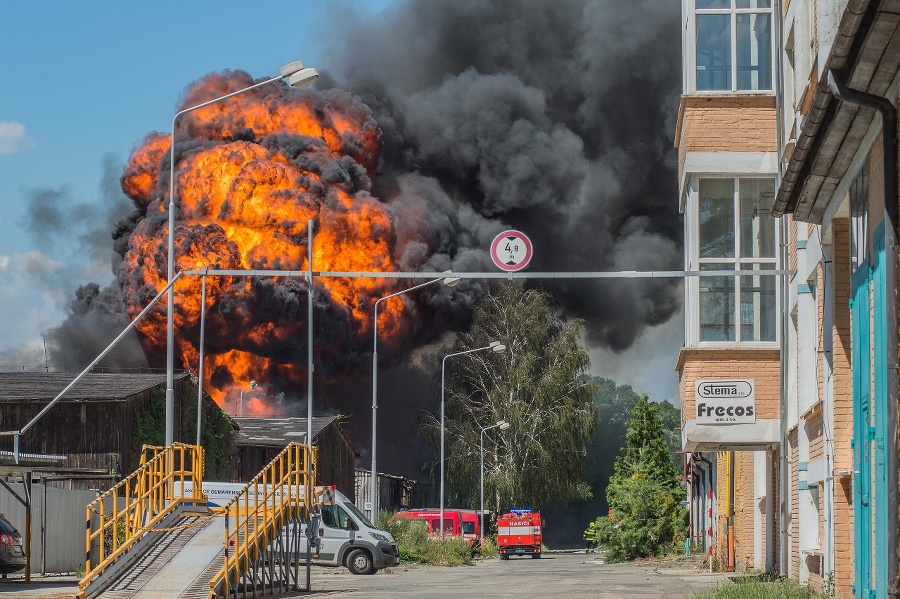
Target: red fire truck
x=519, y=533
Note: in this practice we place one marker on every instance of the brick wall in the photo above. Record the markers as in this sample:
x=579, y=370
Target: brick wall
x=843, y=408
x=726, y=124
x=761, y=365
x=794, y=536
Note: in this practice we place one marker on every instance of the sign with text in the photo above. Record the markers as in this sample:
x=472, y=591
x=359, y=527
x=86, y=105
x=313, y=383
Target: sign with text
x=724, y=401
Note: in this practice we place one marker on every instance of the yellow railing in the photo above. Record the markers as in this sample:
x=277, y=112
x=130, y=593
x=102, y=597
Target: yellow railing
x=134, y=506
x=278, y=494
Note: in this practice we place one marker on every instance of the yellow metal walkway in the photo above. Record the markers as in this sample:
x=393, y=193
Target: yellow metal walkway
x=153, y=535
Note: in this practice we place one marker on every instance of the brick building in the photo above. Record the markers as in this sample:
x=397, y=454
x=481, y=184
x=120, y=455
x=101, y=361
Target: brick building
x=787, y=146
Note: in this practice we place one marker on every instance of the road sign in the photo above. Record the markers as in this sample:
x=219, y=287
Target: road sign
x=511, y=250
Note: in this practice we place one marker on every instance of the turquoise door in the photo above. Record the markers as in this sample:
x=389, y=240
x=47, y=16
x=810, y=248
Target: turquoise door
x=862, y=434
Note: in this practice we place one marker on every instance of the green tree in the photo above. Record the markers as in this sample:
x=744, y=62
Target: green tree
x=646, y=517
x=537, y=386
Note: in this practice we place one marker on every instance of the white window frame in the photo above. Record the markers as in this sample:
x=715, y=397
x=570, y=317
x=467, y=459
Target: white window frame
x=693, y=262
x=689, y=46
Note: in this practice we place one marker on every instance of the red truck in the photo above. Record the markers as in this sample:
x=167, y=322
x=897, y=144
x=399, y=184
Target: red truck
x=519, y=532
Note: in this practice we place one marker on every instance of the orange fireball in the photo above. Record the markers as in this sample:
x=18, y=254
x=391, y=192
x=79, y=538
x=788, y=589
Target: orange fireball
x=250, y=173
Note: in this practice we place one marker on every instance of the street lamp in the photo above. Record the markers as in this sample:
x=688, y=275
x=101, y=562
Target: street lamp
x=502, y=425
x=497, y=348
x=373, y=486
x=297, y=76
x=252, y=385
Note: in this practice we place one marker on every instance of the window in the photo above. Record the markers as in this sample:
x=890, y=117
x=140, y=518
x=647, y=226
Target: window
x=737, y=233
x=859, y=218
x=733, y=45
x=335, y=517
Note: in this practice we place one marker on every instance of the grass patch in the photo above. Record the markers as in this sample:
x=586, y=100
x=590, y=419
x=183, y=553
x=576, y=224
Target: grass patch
x=416, y=547
x=753, y=587
x=489, y=547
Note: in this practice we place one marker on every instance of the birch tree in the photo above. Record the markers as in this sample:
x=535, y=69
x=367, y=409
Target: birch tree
x=538, y=385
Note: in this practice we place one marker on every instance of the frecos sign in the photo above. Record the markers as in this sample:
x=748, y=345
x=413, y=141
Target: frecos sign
x=724, y=401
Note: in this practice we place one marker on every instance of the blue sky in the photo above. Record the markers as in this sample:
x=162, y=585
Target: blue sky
x=84, y=82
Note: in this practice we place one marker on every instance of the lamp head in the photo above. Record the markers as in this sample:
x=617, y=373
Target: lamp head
x=450, y=281
x=291, y=68
x=502, y=425
x=253, y=384
x=303, y=78
x=497, y=347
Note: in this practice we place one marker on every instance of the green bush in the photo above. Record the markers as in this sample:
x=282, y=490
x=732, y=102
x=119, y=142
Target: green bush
x=489, y=547
x=647, y=521
x=416, y=547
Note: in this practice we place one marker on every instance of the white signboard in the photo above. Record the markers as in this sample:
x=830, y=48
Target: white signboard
x=724, y=401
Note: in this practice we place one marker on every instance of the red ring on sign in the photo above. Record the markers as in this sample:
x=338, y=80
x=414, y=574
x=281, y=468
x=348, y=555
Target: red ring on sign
x=510, y=234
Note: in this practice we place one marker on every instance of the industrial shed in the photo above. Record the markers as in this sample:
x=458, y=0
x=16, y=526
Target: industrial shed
x=261, y=439
x=100, y=424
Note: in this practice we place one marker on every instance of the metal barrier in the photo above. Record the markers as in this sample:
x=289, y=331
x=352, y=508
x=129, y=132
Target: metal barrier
x=255, y=555
x=135, y=505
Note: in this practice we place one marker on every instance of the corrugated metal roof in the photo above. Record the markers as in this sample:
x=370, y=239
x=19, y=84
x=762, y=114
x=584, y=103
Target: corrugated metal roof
x=45, y=386
x=277, y=432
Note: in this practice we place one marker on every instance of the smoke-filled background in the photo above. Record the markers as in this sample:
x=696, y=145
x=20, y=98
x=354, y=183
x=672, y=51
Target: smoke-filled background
x=434, y=126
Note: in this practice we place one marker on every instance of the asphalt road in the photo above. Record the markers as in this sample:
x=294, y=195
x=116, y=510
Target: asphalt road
x=557, y=575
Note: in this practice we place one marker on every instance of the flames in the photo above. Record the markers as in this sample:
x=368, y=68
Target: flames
x=250, y=173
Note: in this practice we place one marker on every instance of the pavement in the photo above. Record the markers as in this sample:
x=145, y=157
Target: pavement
x=53, y=586
x=558, y=575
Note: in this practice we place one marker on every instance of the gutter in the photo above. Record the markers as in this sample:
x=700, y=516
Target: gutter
x=821, y=113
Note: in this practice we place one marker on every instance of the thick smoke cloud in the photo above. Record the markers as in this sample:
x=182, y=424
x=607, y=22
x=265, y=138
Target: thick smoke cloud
x=554, y=118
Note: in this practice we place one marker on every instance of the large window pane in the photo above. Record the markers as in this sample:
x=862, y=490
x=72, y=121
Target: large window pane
x=757, y=223
x=717, y=305
x=713, y=52
x=758, y=305
x=754, y=51
x=754, y=3
x=717, y=218
x=715, y=3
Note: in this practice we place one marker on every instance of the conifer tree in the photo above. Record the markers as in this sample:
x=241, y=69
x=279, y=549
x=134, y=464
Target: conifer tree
x=645, y=517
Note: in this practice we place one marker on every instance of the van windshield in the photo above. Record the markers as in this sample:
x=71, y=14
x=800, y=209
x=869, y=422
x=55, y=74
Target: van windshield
x=359, y=515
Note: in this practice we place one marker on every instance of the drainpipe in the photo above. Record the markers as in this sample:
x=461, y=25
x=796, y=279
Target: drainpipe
x=888, y=113
x=730, y=517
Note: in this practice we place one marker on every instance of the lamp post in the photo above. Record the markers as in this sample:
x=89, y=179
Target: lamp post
x=502, y=425
x=252, y=385
x=373, y=483
x=296, y=76
x=497, y=348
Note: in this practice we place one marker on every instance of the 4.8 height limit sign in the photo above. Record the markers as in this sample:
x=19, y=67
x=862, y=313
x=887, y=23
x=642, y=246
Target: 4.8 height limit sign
x=511, y=250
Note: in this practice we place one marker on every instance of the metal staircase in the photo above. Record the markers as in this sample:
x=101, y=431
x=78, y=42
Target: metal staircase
x=153, y=535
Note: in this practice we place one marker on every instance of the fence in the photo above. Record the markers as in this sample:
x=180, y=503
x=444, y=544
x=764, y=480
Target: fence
x=57, y=525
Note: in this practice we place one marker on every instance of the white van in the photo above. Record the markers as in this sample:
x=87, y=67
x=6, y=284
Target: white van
x=346, y=537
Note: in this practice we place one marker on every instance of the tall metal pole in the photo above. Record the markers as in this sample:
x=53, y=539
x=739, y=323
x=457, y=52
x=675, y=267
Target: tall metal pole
x=309, y=347
x=481, y=507
x=200, y=365
x=497, y=347
x=170, y=316
x=373, y=482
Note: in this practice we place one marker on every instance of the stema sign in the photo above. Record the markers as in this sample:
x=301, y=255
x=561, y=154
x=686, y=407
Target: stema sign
x=724, y=401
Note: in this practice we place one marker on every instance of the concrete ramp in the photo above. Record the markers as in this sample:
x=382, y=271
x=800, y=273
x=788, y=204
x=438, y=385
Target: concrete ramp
x=174, y=566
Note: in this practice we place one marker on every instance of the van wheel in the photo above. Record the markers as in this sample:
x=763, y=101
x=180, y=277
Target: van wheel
x=536, y=555
x=359, y=562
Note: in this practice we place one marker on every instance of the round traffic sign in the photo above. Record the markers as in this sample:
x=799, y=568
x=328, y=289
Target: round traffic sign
x=511, y=250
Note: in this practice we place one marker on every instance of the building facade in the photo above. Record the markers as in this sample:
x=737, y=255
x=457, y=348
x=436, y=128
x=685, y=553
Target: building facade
x=787, y=131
